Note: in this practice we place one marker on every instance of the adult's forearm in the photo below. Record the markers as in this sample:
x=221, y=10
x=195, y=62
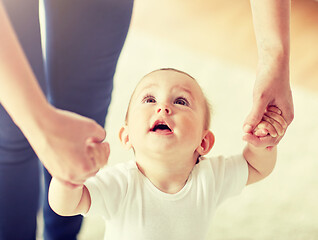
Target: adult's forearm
x=20, y=93
x=271, y=19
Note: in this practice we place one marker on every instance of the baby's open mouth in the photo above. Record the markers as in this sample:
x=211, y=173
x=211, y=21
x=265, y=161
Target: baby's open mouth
x=160, y=127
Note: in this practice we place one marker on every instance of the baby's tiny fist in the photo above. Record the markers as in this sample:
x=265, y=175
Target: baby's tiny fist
x=260, y=132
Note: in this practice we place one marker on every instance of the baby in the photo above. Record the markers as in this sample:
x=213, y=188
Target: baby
x=170, y=190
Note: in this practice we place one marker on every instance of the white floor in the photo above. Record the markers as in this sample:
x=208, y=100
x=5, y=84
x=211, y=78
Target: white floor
x=283, y=206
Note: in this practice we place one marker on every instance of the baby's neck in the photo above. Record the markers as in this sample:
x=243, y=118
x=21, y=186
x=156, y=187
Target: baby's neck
x=168, y=175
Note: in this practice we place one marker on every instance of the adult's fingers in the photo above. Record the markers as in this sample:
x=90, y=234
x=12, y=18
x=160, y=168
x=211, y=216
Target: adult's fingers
x=255, y=115
x=277, y=121
x=270, y=128
x=102, y=152
x=97, y=153
x=105, y=152
x=252, y=139
x=288, y=113
x=98, y=132
x=274, y=109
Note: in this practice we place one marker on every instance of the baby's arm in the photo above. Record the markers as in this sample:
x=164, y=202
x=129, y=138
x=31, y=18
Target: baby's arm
x=69, y=200
x=261, y=159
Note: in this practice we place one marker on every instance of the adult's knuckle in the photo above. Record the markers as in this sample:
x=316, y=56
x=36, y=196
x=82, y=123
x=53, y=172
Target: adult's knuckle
x=290, y=117
x=261, y=96
x=92, y=124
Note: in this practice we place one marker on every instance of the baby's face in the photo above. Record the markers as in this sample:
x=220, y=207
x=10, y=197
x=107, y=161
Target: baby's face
x=166, y=113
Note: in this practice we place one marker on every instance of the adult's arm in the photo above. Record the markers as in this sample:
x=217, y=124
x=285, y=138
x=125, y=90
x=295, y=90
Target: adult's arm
x=58, y=137
x=271, y=20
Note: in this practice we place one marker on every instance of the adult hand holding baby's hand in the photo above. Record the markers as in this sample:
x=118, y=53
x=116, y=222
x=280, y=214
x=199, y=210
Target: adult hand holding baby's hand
x=272, y=87
x=98, y=153
x=269, y=131
x=63, y=145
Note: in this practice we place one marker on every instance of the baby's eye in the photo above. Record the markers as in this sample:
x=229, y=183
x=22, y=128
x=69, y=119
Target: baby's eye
x=181, y=101
x=149, y=99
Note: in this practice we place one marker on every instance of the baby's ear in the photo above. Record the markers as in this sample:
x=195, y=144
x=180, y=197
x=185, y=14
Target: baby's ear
x=206, y=143
x=124, y=137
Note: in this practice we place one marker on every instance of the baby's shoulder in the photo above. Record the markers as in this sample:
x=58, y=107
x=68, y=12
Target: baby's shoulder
x=219, y=164
x=211, y=161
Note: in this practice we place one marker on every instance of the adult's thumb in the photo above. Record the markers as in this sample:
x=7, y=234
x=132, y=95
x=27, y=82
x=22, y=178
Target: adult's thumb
x=255, y=116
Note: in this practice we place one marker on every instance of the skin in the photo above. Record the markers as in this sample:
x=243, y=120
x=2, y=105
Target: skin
x=166, y=157
x=60, y=139
x=62, y=148
x=177, y=100
x=272, y=85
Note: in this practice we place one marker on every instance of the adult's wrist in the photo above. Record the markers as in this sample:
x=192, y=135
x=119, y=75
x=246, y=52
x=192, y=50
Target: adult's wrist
x=274, y=56
x=37, y=123
x=37, y=117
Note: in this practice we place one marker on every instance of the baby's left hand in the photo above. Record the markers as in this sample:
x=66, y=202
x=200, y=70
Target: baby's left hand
x=269, y=131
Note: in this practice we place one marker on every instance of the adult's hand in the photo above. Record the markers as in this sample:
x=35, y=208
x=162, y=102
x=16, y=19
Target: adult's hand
x=272, y=88
x=63, y=144
x=60, y=138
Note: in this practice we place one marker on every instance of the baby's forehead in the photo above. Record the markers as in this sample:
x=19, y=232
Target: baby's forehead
x=177, y=80
x=160, y=77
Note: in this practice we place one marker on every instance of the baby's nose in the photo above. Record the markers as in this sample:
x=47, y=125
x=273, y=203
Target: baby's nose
x=163, y=109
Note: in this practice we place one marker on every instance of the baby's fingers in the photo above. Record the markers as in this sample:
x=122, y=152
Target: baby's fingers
x=267, y=126
x=260, y=132
x=274, y=109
